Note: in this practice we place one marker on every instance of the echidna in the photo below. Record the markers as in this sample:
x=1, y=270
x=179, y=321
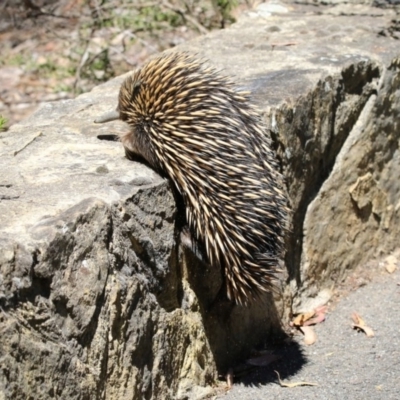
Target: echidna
x=194, y=125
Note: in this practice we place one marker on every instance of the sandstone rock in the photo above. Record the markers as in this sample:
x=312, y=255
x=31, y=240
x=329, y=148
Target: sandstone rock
x=97, y=299
x=327, y=80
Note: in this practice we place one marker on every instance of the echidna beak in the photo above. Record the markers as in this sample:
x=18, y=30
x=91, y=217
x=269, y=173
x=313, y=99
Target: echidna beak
x=107, y=117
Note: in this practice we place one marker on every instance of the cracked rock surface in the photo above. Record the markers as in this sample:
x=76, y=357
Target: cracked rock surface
x=99, y=301
x=327, y=80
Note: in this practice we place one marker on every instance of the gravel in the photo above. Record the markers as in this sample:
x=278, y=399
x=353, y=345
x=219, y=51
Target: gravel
x=345, y=364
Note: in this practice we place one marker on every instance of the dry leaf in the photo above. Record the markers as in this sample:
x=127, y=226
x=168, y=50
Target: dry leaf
x=310, y=318
x=391, y=264
x=263, y=360
x=319, y=316
x=310, y=337
x=303, y=322
x=294, y=384
x=357, y=319
x=361, y=325
x=301, y=318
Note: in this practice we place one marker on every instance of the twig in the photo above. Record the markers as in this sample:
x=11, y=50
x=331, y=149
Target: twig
x=294, y=384
x=82, y=61
x=186, y=17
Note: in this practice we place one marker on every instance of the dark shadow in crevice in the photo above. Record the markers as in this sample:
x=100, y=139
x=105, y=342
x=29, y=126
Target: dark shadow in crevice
x=109, y=137
x=291, y=360
x=233, y=332
x=39, y=287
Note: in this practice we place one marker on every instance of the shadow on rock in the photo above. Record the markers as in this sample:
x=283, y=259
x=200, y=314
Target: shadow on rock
x=291, y=359
x=234, y=332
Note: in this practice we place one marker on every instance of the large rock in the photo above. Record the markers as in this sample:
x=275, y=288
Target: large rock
x=95, y=295
x=99, y=301
x=327, y=80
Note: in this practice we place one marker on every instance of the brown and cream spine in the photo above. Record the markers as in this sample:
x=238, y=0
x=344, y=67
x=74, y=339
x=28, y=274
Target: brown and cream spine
x=191, y=122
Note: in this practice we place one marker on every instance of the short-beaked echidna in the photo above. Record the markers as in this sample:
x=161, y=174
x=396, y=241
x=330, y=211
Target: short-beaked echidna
x=193, y=124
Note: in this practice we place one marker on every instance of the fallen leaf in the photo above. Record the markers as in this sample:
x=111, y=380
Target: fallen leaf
x=303, y=322
x=357, y=319
x=361, y=325
x=263, y=360
x=319, y=316
x=310, y=337
x=367, y=330
x=301, y=318
x=294, y=384
x=391, y=264
x=310, y=318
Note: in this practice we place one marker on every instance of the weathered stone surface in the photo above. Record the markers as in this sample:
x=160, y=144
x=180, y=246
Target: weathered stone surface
x=327, y=79
x=97, y=299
